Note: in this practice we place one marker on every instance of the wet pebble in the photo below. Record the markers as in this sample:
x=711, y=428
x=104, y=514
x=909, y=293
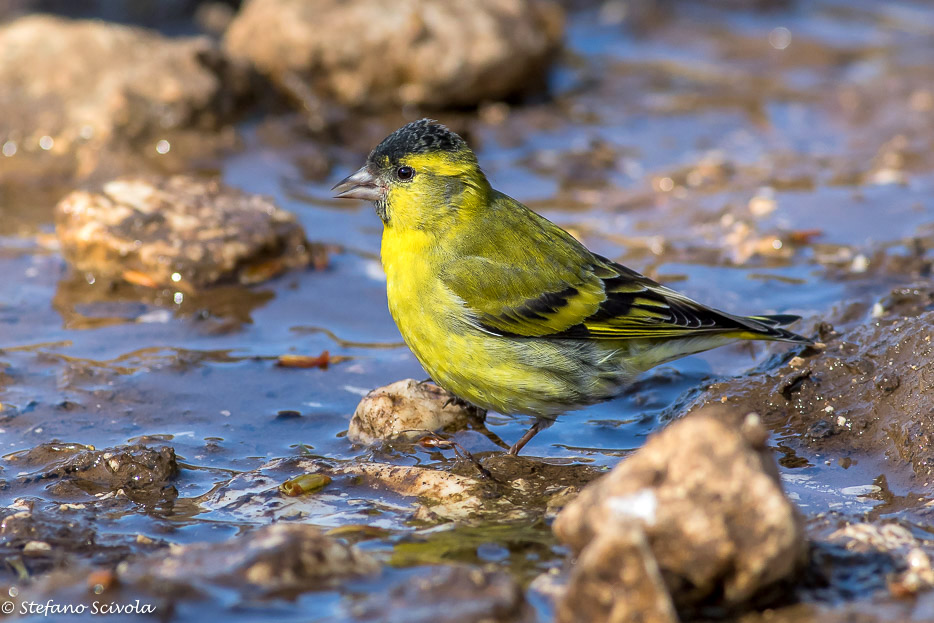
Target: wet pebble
x=449, y=594
x=180, y=232
x=275, y=559
x=887, y=382
x=140, y=472
x=617, y=579
x=409, y=410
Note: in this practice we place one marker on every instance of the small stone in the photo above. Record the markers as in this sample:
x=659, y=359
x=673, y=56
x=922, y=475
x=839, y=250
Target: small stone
x=33, y=547
x=101, y=580
x=860, y=264
x=407, y=409
x=888, y=175
x=887, y=381
x=273, y=559
x=448, y=594
x=763, y=202
x=180, y=232
x=820, y=429
x=620, y=565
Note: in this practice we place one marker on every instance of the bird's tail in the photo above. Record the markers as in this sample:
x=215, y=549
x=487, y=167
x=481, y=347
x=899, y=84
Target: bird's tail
x=744, y=328
x=768, y=328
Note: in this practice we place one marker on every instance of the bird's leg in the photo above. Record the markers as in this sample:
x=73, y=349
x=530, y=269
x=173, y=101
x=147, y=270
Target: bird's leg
x=480, y=427
x=537, y=427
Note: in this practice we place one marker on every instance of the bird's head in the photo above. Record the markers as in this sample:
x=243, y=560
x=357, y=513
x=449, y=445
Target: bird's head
x=420, y=176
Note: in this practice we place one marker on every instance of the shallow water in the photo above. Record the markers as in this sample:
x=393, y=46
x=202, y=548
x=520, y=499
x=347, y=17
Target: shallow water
x=697, y=111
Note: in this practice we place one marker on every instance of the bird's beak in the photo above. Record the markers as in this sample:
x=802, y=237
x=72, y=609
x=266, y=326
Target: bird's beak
x=361, y=185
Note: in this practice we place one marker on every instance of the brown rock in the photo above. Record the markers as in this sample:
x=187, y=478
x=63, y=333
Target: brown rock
x=72, y=86
x=142, y=473
x=59, y=536
x=407, y=409
x=371, y=53
x=617, y=579
x=449, y=594
x=179, y=232
x=137, y=467
x=913, y=556
x=513, y=489
x=276, y=559
x=450, y=496
x=706, y=492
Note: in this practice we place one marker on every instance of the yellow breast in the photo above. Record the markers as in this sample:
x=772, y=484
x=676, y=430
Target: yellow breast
x=430, y=317
x=409, y=275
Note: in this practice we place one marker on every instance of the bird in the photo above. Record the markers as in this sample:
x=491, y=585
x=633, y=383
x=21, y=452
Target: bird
x=508, y=311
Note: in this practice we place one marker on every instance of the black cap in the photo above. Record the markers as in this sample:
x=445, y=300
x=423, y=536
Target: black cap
x=419, y=137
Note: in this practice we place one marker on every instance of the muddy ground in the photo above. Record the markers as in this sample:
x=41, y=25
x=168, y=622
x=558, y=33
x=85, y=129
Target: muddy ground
x=766, y=157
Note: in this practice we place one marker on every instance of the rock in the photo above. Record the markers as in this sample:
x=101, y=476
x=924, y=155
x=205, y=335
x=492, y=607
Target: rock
x=179, y=232
x=373, y=54
x=18, y=529
x=73, y=86
x=913, y=556
x=517, y=489
x=144, y=474
x=706, y=492
x=449, y=496
x=255, y=497
x=136, y=468
x=278, y=559
x=617, y=579
x=866, y=395
x=57, y=536
x=449, y=594
x=407, y=409
x=513, y=488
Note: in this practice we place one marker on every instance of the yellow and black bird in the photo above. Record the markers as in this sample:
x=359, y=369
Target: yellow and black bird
x=505, y=309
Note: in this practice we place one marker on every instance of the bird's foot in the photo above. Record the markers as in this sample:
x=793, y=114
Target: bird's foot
x=432, y=440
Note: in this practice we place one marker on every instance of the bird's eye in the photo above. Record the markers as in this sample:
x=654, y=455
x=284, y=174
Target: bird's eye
x=405, y=173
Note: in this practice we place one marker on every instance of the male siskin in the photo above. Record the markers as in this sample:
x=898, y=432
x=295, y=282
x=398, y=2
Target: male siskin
x=505, y=309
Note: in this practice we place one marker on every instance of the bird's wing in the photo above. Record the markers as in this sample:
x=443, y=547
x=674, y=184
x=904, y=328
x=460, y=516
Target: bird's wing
x=526, y=299
x=636, y=307
x=524, y=276
x=599, y=300
x=533, y=279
